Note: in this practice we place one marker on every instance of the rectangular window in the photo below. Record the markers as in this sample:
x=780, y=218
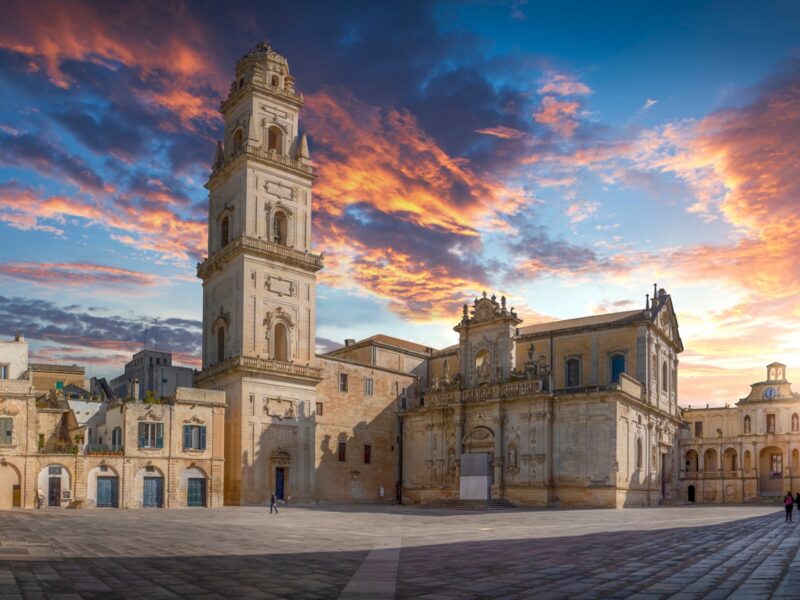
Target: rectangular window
x=698, y=429
x=342, y=382
x=151, y=435
x=342, y=451
x=368, y=385
x=6, y=429
x=3, y=371
x=573, y=372
x=770, y=423
x=194, y=437
x=319, y=409
x=367, y=453
x=116, y=438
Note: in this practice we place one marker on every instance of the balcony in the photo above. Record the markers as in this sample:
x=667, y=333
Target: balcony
x=260, y=366
x=689, y=475
x=270, y=157
x=270, y=250
x=104, y=450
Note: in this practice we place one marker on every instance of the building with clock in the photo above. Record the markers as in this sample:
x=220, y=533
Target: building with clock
x=750, y=449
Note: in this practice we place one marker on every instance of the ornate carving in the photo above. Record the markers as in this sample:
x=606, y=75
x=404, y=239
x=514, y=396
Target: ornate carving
x=279, y=408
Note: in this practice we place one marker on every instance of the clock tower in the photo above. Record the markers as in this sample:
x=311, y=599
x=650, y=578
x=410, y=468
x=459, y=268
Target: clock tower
x=259, y=285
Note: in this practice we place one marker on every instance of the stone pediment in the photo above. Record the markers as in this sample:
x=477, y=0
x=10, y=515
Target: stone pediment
x=485, y=310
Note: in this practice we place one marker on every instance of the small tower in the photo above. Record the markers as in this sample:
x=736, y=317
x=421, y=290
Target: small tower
x=776, y=372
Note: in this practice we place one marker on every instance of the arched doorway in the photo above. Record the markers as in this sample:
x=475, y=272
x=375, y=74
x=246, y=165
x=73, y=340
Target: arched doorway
x=691, y=494
x=477, y=474
x=280, y=462
x=102, y=487
x=10, y=490
x=770, y=470
x=194, y=484
x=149, y=487
x=54, y=485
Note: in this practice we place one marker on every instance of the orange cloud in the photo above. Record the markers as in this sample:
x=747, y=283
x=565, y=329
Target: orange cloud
x=563, y=85
x=503, y=132
x=558, y=115
x=157, y=228
x=77, y=275
x=173, y=60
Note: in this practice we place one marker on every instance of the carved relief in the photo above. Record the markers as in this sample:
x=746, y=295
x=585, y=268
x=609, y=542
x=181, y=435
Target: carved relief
x=279, y=408
x=280, y=286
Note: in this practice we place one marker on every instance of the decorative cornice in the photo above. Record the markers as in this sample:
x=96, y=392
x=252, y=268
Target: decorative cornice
x=270, y=250
x=268, y=157
x=259, y=366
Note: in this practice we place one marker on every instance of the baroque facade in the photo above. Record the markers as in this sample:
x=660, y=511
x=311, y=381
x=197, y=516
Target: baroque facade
x=741, y=452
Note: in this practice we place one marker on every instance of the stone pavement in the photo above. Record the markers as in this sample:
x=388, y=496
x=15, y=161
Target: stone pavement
x=392, y=552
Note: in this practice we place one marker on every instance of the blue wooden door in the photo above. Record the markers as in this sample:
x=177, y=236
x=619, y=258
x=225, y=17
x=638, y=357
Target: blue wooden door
x=279, y=475
x=153, y=492
x=107, y=492
x=196, y=492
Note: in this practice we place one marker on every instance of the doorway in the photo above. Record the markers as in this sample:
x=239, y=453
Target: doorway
x=16, y=496
x=107, y=492
x=691, y=493
x=280, y=475
x=54, y=491
x=153, y=492
x=196, y=492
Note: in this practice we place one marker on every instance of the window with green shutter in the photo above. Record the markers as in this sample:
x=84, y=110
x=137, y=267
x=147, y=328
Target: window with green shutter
x=194, y=437
x=6, y=430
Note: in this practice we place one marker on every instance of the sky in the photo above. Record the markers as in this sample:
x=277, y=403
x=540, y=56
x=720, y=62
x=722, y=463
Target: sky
x=566, y=156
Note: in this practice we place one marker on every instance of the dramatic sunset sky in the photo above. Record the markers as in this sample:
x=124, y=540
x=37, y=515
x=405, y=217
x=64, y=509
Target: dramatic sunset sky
x=566, y=155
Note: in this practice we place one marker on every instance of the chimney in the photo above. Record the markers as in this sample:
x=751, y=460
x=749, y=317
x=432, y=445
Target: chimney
x=349, y=342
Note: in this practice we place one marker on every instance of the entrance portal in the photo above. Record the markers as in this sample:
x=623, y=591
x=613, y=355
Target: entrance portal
x=280, y=474
x=691, y=493
x=54, y=491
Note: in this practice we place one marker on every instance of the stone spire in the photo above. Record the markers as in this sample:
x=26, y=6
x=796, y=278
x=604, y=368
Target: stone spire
x=302, y=148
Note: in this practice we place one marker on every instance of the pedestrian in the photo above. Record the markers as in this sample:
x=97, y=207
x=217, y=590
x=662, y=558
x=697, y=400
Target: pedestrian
x=797, y=502
x=788, y=504
x=273, y=504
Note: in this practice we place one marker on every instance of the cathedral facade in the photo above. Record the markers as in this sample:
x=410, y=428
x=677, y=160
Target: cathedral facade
x=582, y=412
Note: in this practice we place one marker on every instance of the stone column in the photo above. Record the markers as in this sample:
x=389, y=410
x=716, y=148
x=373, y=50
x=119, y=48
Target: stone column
x=498, y=453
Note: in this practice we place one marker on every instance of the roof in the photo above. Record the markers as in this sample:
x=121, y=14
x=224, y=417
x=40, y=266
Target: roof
x=52, y=368
x=618, y=318
x=386, y=340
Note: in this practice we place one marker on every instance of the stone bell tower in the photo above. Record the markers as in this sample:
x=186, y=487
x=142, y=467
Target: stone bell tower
x=259, y=284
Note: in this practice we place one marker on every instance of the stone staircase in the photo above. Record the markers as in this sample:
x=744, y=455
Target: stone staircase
x=473, y=505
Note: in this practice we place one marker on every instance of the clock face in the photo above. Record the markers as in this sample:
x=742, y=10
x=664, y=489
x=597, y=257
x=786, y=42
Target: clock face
x=770, y=393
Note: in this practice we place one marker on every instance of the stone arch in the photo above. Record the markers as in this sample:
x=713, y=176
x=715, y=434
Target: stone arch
x=220, y=329
x=193, y=484
x=479, y=439
x=275, y=137
x=770, y=469
x=237, y=141
x=275, y=80
x=10, y=486
x=101, y=469
x=730, y=460
x=145, y=494
x=664, y=377
x=280, y=228
x=54, y=484
x=281, y=341
x=710, y=460
x=692, y=461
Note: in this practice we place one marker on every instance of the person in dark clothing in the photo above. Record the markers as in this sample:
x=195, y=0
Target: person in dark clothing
x=788, y=504
x=273, y=504
x=797, y=502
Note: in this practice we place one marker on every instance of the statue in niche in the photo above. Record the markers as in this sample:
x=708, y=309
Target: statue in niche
x=446, y=372
x=512, y=459
x=451, y=464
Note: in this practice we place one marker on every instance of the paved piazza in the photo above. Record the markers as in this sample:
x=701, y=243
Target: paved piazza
x=375, y=553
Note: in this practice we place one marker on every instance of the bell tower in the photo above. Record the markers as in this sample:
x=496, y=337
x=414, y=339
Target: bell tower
x=259, y=284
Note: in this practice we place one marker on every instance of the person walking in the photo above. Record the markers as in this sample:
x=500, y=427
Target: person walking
x=788, y=504
x=273, y=504
x=797, y=502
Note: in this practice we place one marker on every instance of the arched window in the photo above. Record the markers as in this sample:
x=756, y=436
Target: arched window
x=281, y=343
x=747, y=424
x=573, y=372
x=241, y=82
x=220, y=344
x=238, y=141
x=279, y=229
x=795, y=423
x=276, y=81
x=275, y=139
x=638, y=453
x=224, y=232
x=617, y=367
x=664, y=376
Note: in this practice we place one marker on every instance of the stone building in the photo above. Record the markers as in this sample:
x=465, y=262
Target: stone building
x=738, y=453
x=151, y=371
x=581, y=412
x=578, y=412
x=59, y=452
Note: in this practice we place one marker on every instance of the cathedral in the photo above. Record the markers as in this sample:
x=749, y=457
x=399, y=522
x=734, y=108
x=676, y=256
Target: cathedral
x=580, y=412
